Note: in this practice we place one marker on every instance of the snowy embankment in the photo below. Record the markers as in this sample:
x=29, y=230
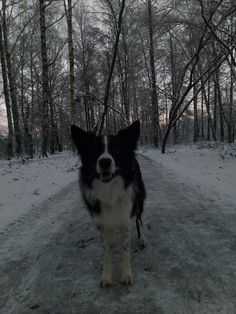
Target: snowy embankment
x=24, y=185
x=209, y=168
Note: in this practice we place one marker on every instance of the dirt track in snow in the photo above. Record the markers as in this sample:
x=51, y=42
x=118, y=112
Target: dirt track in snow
x=50, y=258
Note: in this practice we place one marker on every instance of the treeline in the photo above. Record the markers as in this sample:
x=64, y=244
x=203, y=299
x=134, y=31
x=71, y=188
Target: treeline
x=102, y=64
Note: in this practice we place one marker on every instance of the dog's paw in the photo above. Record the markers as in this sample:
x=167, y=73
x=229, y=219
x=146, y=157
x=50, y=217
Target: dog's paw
x=106, y=280
x=142, y=242
x=127, y=277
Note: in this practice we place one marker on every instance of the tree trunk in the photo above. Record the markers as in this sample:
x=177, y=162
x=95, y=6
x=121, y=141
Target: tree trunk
x=231, y=124
x=108, y=85
x=9, y=147
x=15, y=112
x=220, y=104
x=215, y=110
x=195, y=114
x=45, y=86
x=32, y=91
x=71, y=61
x=231, y=101
x=25, y=112
x=173, y=113
x=207, y=102
x=52, y=128
x=124, y=84
x=155, y=109
x=86, y=111
x=217, y=106
x=165, y=138
x=136, y=111
x=210, y=126
x=202, y=116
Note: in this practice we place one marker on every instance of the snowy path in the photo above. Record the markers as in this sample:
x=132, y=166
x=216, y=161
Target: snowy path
x=50, y=257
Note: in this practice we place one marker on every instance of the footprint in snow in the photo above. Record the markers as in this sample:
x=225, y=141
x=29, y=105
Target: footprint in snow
x=36, y=192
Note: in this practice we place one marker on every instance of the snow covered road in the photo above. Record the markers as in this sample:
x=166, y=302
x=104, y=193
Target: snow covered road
x=50, y=256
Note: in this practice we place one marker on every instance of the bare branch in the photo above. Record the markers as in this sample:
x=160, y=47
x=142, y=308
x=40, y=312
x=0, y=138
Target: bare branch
x=107, y=91
x=57, y=54
x=214, y=33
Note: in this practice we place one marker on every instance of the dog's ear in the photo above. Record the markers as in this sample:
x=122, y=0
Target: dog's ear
x=130, y=135
x=80, y=137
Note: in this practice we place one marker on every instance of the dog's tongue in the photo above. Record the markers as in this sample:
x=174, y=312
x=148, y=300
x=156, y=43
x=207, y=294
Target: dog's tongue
x=106, y=176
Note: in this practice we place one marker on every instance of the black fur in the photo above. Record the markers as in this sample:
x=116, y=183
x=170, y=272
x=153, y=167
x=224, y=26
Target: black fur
x=122, y=148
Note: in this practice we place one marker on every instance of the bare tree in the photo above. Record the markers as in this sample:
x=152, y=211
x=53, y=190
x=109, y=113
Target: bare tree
x=45, y=87
x=68, y=10
x=9, y=148
x=154, y=98
x=9, y=61
x=169, y=63
x=115, y=49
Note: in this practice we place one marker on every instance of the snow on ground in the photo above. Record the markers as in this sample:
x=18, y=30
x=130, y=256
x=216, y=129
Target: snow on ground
x=24, y=185
x=210, y=168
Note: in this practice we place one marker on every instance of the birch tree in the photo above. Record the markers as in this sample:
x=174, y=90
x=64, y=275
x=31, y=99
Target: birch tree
x=45, y=86
x=11, y=81
x=68, y=10
x=9, y=148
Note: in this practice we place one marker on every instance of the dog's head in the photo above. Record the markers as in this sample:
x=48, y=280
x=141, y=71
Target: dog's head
x=105, y=157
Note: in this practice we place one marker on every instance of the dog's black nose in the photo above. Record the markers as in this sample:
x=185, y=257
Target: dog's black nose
x=105, y=163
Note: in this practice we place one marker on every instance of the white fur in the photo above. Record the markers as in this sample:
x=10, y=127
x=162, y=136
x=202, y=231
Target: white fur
x=106, y=154
x=116, y=202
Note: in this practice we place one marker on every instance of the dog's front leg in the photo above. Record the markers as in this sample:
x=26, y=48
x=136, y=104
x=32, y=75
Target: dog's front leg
x=106, y=237
x=127, y=276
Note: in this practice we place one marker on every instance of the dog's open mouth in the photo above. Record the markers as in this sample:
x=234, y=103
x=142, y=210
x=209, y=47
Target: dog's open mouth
x=105, y=176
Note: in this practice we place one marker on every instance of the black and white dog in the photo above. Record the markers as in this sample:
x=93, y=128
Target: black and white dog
x=112, y=188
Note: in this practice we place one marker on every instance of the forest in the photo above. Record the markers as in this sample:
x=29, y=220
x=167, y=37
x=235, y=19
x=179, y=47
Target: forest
x=102, y=64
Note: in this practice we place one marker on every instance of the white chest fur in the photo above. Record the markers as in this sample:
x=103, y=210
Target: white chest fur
x=116, y=202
